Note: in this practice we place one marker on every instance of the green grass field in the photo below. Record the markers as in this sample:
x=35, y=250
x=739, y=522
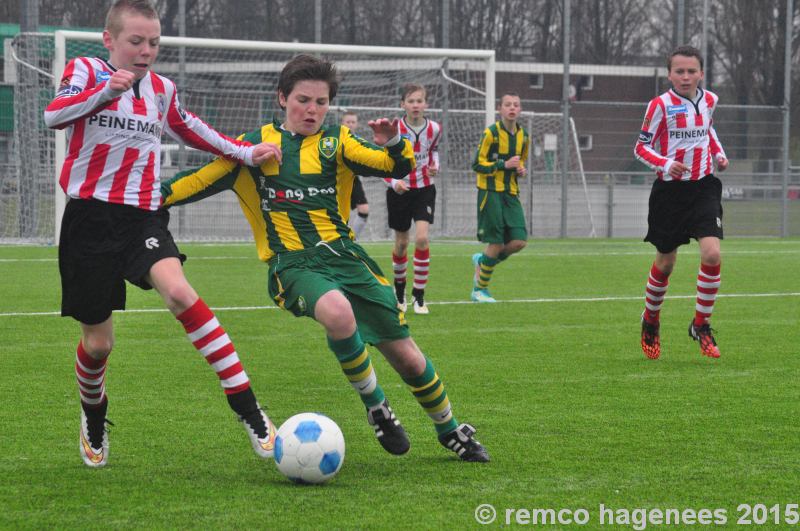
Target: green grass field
x=572, y=413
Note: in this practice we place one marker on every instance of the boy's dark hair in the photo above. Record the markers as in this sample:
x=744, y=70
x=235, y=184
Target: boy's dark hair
x=686, y=51
x=306, y=67
x=144, y=8
x=507, y=93
x=411, y=88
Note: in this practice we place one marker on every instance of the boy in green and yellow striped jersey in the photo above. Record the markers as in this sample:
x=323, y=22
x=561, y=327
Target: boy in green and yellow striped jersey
x=296, y=204
x=501, y=221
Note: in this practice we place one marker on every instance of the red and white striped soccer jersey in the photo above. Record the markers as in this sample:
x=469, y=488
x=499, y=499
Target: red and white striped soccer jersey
x=114, y=138
x=677, y=129
x=426, y=152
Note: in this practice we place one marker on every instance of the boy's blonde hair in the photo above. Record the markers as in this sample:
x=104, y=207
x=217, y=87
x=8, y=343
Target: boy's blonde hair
x=144, y=8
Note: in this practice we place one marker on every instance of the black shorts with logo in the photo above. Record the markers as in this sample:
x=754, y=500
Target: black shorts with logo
x=681, y=210
x=102, y=245
x=358, y=197
x=418, y=204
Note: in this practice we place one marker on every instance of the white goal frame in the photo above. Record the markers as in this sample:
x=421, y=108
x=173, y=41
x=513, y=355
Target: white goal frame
x=486, y=57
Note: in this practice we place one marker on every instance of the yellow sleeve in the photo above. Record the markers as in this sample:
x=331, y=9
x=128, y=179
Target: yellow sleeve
x=367, y=159
x=525, y=148
x=193, y=185
x=482, y=164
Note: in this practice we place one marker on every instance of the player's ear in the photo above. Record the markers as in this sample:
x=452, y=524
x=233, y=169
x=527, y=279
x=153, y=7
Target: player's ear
x=107, y=40
x=281, y=99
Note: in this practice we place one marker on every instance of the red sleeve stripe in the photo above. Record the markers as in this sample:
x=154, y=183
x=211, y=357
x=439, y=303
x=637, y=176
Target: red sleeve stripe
x=64, y=102
x=66, y=77
x=651, y=110
x=182, y=129
x=97, y=164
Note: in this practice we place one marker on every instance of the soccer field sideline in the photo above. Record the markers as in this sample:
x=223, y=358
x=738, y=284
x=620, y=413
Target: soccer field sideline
x=532, y=254
x=440, y=303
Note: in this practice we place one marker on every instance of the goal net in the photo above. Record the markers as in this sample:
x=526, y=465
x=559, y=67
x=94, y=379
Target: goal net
x=231, y=85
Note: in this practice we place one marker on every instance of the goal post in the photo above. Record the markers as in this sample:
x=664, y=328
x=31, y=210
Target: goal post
x=231, y=84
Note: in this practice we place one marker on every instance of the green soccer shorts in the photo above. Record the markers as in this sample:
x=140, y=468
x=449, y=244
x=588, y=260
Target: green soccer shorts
x=500, y=218
x=298, y=279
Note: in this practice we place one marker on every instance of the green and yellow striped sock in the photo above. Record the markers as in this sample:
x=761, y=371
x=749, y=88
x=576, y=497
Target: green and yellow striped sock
x=429, y=391
x=487, y=266
x=356, y=364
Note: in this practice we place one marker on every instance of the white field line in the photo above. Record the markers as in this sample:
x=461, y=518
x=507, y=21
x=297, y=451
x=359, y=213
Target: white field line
x=448, y=303
x=531, y=254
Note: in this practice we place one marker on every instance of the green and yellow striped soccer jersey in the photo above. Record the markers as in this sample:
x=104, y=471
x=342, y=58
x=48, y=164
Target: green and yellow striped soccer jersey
x=304, y=200
x=496, y=147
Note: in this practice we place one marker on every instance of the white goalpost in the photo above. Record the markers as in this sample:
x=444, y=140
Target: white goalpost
x=231, y=84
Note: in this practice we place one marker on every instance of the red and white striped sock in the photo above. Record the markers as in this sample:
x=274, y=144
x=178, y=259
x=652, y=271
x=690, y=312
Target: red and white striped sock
x=400, y=264
x=708, y=280
x=91, y=375
x=657, y=284
x=422, y=262
x=210, y=339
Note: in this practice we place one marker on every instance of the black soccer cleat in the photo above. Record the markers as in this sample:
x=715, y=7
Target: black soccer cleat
x=388, y=430
x=462, y=442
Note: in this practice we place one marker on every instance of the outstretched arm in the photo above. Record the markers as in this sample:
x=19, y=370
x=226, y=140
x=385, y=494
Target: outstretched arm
x=393, y=155
x=193, y=185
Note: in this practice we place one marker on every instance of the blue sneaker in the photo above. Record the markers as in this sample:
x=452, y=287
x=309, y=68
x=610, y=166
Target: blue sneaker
x=481, y=295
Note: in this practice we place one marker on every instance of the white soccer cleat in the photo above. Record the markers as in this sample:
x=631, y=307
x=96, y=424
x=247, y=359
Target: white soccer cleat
x=402, y=306
x=421, y=309
x=481, y=295
x=261, y=431
x=93, y=440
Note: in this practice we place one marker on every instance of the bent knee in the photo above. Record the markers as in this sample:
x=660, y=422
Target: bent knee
x=179, y=297
x=98, y=347
x=335, y=314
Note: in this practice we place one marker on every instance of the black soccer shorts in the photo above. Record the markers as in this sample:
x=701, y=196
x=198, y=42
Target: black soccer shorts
x=103, y=245
x=681, y=210
x=417, y=204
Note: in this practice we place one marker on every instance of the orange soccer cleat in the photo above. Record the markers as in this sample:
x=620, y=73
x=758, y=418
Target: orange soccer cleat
x=651, y=341
x=704, y=335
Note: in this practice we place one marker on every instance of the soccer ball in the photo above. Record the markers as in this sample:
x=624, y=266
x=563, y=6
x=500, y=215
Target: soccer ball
x=309, y=448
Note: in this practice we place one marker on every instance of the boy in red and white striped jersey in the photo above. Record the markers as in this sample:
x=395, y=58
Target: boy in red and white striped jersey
x=115, y=111
x=679, y=142
x=413, y=198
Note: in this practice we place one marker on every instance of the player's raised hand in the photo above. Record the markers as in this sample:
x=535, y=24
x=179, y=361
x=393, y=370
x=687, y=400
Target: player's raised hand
x=722, y=163
x=266, y=151
x=512, y=163
x=677, y=169
x=383, y=130
x=121, y=80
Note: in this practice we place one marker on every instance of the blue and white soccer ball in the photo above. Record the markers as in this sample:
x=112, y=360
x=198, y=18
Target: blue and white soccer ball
x=309, y=448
